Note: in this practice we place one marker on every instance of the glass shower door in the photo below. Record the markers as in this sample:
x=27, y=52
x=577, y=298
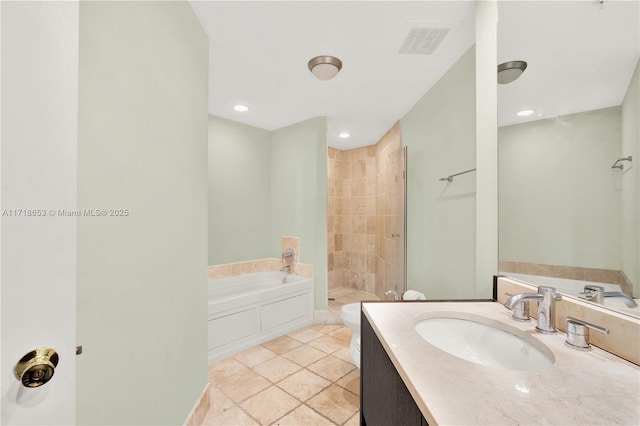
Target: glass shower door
x=397, y=222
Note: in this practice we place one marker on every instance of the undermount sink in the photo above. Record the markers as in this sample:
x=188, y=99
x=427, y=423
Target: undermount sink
x=483, y=344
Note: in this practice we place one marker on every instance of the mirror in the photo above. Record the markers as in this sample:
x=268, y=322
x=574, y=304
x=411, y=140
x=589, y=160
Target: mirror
x=566, y=217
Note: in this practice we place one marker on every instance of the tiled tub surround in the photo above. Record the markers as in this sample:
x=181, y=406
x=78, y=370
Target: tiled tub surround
x=593, y=387
x=303, y=378
x=226, y=270
x=246, y=310
x=624, y=330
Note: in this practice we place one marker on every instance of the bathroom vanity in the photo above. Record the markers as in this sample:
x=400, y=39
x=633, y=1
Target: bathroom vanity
x=406, y=380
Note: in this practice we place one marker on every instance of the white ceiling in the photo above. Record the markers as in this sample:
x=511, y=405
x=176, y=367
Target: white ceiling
x=580, y=57
x=259, y=53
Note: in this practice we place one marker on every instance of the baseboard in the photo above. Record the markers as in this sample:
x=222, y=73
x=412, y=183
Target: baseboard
x=199, y=411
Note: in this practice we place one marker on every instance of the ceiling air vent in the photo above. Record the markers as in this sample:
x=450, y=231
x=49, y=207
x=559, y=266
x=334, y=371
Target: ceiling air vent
x=423, y=41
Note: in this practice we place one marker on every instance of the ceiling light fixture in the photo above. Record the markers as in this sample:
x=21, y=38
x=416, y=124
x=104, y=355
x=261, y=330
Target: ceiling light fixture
x=525, y=112
x=325, y=67
x=510, y=71
x=241, y=108
x=344, y=135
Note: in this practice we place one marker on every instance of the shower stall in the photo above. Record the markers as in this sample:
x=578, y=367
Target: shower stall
x=366, y=222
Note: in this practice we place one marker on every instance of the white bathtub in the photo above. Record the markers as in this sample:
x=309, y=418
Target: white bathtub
x=246, y=310
x=563, y=285
x=575, y=288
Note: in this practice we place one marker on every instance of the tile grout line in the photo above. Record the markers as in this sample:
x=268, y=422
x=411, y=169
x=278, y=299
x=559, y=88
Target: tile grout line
x=343, y=343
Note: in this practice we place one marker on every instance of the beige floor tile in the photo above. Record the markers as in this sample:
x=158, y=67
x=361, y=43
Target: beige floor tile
x=344, y=355
x=355, y=420
x=346, y=295
x=254, y=356
x=234, y=416
x=224, y=369
x=243, y=385
x=281, y=344
x=343, y=333
x=331, y=368
x=269, y=405
x=336, y=403
x=327, y=344
x=351, y=381
x=304, y=355
x=327, y=328
x=343, y=293
x=303, y=415
x=219, y=402
x=277, y=368
x=304, y=384
x=305, y=335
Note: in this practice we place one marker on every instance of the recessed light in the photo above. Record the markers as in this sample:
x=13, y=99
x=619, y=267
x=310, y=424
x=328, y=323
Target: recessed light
x=241, y=108
x=344, y=135
x=525, y=113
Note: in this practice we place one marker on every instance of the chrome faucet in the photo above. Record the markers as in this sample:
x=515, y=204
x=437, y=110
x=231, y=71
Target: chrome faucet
x=596, y=294
x=286, y=268
x=546, y=298
x=288, y=255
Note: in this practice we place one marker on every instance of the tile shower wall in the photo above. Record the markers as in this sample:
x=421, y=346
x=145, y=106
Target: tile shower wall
x=360, y=253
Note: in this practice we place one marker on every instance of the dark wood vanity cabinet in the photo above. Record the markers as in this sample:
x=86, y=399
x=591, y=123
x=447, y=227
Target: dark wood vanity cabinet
x=384, y=397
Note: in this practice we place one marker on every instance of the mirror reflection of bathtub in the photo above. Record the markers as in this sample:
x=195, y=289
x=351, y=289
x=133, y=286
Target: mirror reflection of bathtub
x=575, y=288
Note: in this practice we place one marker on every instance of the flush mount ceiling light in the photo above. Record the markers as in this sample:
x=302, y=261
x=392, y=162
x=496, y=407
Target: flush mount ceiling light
x=344, y=135
x=510, y=71
x=325, y=67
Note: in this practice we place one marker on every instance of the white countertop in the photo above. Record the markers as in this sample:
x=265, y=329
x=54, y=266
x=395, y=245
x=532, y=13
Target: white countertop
x=593, y=387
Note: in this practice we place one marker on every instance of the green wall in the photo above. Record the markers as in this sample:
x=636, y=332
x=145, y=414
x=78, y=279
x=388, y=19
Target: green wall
x=560, y=201
x=299, y=195
x=631, y=182
x=440, y=133
x=141, y=291
x=265, y=185
x=239, y=192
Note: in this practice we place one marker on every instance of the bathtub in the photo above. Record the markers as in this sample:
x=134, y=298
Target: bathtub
x=566, y=286
x=575, y=288
x=246, y=310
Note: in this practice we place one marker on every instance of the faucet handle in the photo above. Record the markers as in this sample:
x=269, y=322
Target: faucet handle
x=288, y=255
x=578, y=333
x=543, y=289
x=594, y=293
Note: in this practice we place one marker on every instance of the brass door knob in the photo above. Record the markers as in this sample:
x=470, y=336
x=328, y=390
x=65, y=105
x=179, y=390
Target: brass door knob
x=37, y=367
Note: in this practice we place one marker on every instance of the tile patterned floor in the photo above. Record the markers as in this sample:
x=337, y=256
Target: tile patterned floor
x=303, y=378
x=343, y=295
